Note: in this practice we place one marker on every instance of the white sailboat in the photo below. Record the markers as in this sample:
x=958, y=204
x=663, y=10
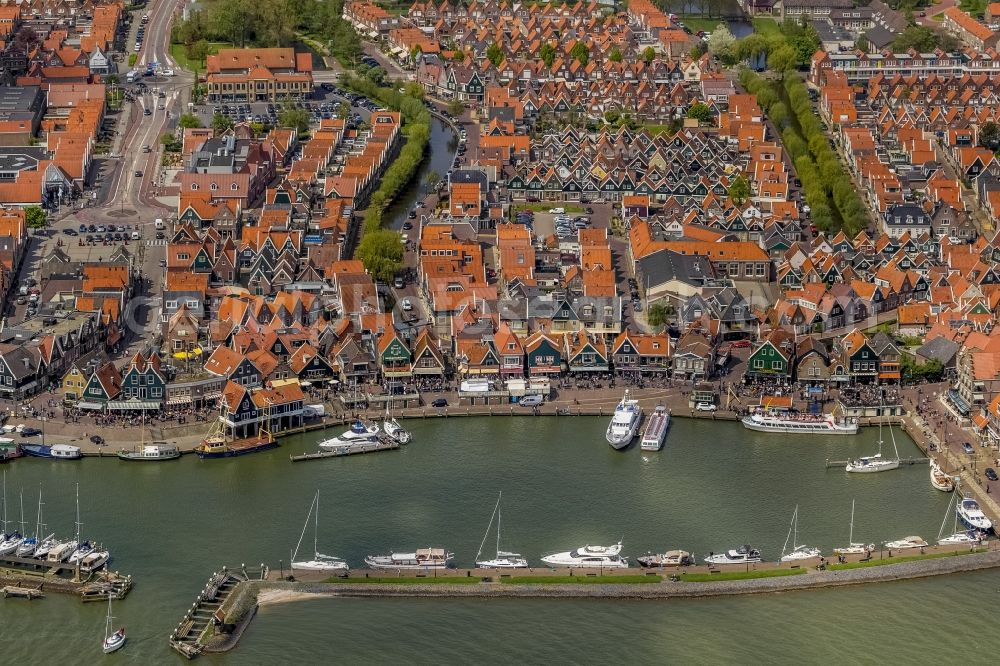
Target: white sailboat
x=939, y=479
x=391, y=427
x=112, y=641
x=876, y=463
x=957, y=537
x=853, y=548
x=320, y=562
x=798, y=552
x=9, y=541
x=13, y=541
x=504, y=559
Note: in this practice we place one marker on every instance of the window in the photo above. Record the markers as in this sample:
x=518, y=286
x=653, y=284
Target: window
x=194, y=186
x=234, y=187
x=171, y=305
x=758, y=363
x=214, y=187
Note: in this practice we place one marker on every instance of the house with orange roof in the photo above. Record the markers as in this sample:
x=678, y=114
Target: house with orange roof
x=258, y=74
x=584, y=353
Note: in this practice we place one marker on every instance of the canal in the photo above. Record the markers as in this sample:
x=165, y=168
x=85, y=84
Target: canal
x=440, y=155
x=713, y=486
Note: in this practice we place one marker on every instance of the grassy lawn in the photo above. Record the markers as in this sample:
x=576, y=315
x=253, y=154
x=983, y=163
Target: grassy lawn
x=699, y=23
x=179, y=53
x=546, y=206
x=406, y=580
x=766, y=26
x=739, y=575
x=658, y=129
x=897, y=560
x=593, y=580
x=973, y=7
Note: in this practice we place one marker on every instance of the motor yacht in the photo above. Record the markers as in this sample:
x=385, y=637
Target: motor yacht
x=591, y=557
x=905, y=543
x=970, y=515
x=359, y=433
x=671, y=558
x=624, y=423
x=742, y=555
x=422, y=558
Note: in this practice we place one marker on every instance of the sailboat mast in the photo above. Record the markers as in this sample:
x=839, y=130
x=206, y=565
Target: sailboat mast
x=38, y=516
x=850, y=540
x=498, y=525
x=22, y=511
x=486, y=535
x=795, y=528
x=316, y=527
x=5, y=503
x=78, y=523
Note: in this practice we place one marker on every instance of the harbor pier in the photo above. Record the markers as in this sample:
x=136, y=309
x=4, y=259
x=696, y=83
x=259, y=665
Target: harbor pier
x=42, y=576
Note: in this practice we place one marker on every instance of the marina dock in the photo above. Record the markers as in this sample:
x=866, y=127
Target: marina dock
x=60, y=577
x=384, y=444
x=221, y=611
x=28, y=593
x=902, y=461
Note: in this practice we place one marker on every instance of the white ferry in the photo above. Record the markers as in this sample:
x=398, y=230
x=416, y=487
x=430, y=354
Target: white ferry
x=775, y=414
x=624, y=423
x=656, y=429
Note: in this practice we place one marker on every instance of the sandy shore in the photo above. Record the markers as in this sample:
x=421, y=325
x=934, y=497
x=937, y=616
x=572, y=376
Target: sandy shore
x=269, y=597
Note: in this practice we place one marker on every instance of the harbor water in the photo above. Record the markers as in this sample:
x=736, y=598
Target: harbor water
x=713, y=486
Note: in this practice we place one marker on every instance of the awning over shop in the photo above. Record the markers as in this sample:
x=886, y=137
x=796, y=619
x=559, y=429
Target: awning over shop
x=960, y=403
x=126, y=405
x=179, y=400
x=89, y=405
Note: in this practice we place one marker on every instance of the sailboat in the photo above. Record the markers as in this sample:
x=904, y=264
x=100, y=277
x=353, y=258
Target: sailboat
x=853, y=548
x=876, y=463
x=9, y=541
x=112, y=641
x=38, y=546
x=504, y=559
x=391, y=427
x=956, y=538
x=88, y=556
x=320, y=562
x=29, y=544
x=798, y=552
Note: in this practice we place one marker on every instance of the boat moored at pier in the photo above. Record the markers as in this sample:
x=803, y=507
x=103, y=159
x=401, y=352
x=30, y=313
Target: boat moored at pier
x=940, y=480
x=422, y=558
x=590, y=557
x=150, y=453
x=972, y=516
x=671, y=558
x=656, y=429
x=793, y=422
x=624, y=423
x=743, y=555
x=359, y=433
x=906, y=543
x=55, y=452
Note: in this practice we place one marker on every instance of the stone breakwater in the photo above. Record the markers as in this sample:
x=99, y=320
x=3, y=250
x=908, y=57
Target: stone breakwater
x=280, y=591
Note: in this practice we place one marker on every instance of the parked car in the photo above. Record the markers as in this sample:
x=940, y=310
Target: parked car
x=531, y=401
x=398, y=282
x=705, y=407
x=439, y=402
x=991, y=474
x=406, y=304
x=968, y=448
x=30, y=432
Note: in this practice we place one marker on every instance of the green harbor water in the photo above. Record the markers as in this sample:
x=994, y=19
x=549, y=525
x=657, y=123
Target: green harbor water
x=713, y=486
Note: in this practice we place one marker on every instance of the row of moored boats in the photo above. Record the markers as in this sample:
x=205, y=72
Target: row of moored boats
x=627, y=418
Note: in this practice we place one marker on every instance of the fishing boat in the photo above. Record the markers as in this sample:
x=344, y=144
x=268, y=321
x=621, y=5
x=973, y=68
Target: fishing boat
x=656, y=429
x=56, y=451
x=624, y=423
x=319, y=562
x=775, y=414
x=970, y=515
x=742, y=555
x=359, y=433
x=939, y=479
x=112, y=641
x=151, y=452
x=957, y=537
x=671, y=558
x=853, y=548
x=422, y=558
x=589, y=557
x=906, y=543
x=798, y=552
x=504, y=559
x=391, y=427
x=875, y=463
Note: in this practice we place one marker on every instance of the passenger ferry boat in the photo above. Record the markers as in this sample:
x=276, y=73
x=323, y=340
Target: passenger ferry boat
x=422, y=558
x=589, y=557
x=656, y=429
x=775, y=414
x=624, y=423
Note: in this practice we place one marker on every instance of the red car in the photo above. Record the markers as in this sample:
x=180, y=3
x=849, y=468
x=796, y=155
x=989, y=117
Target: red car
x=741, y=344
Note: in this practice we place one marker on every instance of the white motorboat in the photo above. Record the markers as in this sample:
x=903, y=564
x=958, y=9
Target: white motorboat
x=875, y=463
x=671, y=558
x=589, y=557
x=798, y=552
x=61, y=552
x=742, y=555
x=939, y=479
x=150, y=453
x=504, y=559
x=656, y=429
x=853, y=548
x=970, y=515
x=906, y=543
x=319, y=562
x=624, y=423
x=112, y=641
x=788, y=422
x=359, y=433
x=81, y=552
x=957, y=537
x=422, y=558
x=94, y=560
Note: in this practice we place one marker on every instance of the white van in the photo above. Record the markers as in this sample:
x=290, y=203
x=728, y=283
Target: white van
x=531, y=401
x=557, y=211
x=159, y=224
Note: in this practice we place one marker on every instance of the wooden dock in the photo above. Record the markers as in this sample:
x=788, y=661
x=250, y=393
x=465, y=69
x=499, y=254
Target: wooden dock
x=28, y=593
x=902, y=461
x=26, y=572
x=205, y=620
x=384, y=444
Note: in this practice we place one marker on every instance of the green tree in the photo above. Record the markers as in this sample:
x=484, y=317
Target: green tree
x=783, y=59
x=494, y=54
x=277, y=21
x=739, y=191
x=343, y=110
x=656, y=315
x=548, y=54
x=989, y=136
x=298, y=119
x=236, y=20
x=701, y=112
x=456, y=107
x=615, y=55
x=918, y=37
x=648, y=54
x=221, y=123
x=197, y=51
x=35, y=217
x=132, y=59
x=189, y=120
x=432, y=178
x=581, y=53
x=382, y=254
x=170, y=143
x=721, y=44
